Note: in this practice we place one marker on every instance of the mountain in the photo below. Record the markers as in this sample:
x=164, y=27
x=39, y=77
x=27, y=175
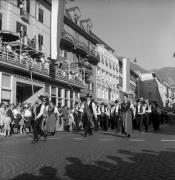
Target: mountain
x=137, y=68
x=167, y=74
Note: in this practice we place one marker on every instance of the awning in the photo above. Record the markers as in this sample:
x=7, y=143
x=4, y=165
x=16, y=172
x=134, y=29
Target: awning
x=8, y=36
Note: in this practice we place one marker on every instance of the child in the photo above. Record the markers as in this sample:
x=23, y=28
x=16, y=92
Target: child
x=71, y=122
x=7, y=121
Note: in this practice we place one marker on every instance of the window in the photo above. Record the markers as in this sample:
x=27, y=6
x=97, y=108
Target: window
x=28, y=6
x=40, y=15
x=22, y=29
x=24, y=4
x=106, y=62
x=120, y=68
x=98, y=92
x=0, y=21
x=6, y=88
x=98, y=72
x=102, y=59
x=103, y=94
x=53, y=95
x=150, y=94
x=59, y=98
x=107, y=94
x=72, y=100
x=110, y=65
x=114, y=66
x=120, y=82
x=40, y=42
x=19, y=3
x=6, y=81
x=6, y=95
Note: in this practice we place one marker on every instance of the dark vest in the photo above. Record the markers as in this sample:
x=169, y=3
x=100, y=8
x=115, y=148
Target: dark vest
x=38, y=108
x=90, y=107
x=139, y=110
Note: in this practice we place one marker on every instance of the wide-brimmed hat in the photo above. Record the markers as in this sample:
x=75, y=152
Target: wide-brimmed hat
x=116, y=101
x=89, y=95
x=26, y=105
x=41, y=97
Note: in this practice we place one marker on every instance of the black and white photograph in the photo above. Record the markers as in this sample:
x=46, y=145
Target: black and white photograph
x=87, y=89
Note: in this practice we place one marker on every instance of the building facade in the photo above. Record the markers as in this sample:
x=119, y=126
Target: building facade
x=57, y=54
x=154, y=89
x=69, y=68
x=107, y=76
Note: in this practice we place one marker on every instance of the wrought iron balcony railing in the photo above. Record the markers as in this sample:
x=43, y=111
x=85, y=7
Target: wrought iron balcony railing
x=68, y=36
x=11, y=59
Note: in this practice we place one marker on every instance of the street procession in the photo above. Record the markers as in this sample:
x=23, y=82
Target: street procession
x=87, y=90
x=44, y=118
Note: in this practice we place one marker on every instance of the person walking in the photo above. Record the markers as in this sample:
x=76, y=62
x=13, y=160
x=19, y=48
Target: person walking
x=88, y=122
x=116, y=114
x=76, y=114
x=140, y=111
x=93, y=111
x=147, y=114
x=38, y=119
x=51, y=118
x=155, y=115
x=126, y=115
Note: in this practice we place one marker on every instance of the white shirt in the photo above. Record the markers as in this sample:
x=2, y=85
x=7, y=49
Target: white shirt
x=143, y=108
x=27, y=113
x=148, y=110
x=93, y=108
x=15, y=112
x=41, y=111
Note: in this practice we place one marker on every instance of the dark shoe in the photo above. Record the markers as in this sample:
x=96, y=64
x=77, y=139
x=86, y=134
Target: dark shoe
x=34, y=141
x=129, y=135
x=45, y=137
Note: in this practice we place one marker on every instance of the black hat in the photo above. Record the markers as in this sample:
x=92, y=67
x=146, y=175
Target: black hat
x=126, y=95
x=89, y=95
x=116, y=101
x=102, y=103
x=41, y=97
x=138, y=100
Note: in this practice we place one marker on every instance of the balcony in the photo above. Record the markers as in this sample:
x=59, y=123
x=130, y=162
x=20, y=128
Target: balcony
x=93, y=57
x=81, y=48
x=67, y=41
x=24, y=15
x=13, y=60
x=67, y=75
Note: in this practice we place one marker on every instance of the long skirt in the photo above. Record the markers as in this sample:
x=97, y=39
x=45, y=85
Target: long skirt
x=127, y=122
x=51, y=123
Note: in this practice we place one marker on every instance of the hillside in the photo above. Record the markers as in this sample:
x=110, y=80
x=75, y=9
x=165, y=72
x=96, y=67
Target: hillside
x=167, y=74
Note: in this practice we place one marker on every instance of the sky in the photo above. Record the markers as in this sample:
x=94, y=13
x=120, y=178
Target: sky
x=141, y=29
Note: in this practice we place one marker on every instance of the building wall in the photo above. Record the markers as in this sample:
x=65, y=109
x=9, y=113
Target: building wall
x=107, y=74
x=149, y=90
x=11, y=14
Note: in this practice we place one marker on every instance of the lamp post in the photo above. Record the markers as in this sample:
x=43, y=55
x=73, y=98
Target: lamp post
x=30, y=68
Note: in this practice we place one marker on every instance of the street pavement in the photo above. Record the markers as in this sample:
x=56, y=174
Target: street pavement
x=103, y=156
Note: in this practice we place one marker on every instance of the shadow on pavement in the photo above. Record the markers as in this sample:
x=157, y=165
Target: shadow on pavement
x=127, y=165
x=124, y=165
x=45, y=173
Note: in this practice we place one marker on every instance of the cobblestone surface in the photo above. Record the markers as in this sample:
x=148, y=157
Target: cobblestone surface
x=104, y=156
